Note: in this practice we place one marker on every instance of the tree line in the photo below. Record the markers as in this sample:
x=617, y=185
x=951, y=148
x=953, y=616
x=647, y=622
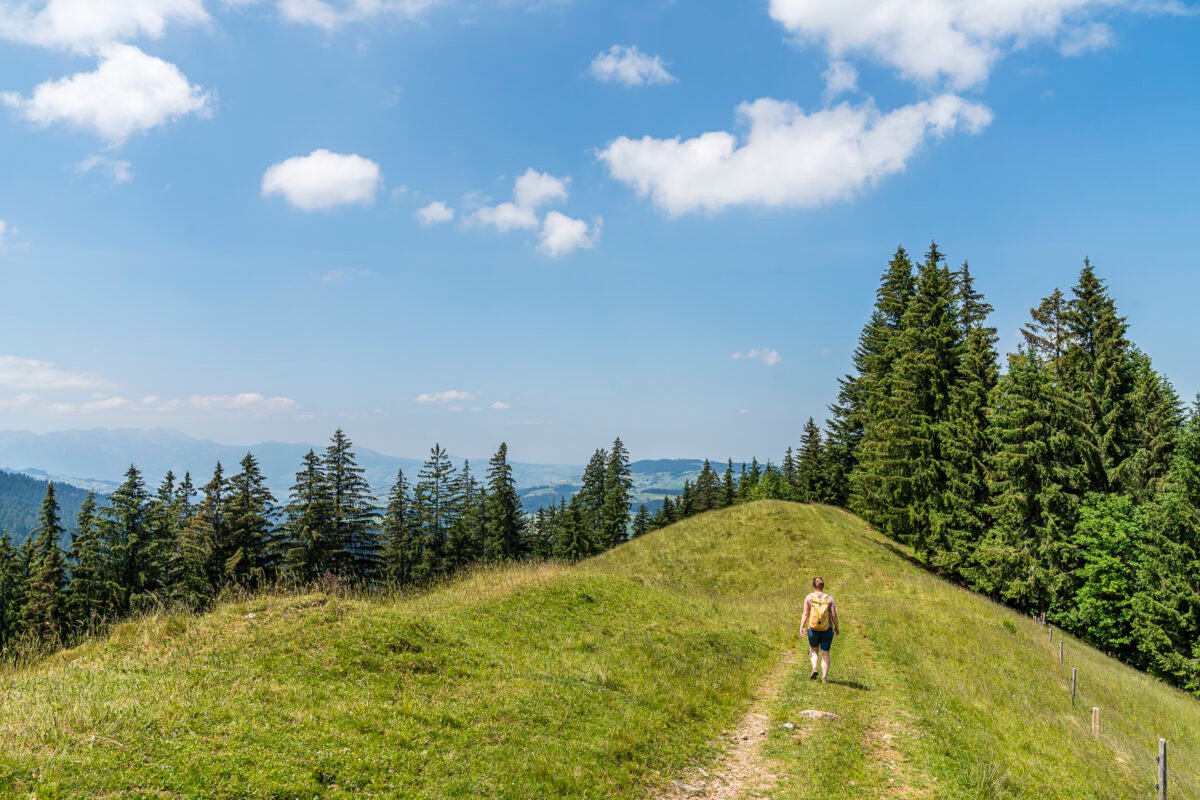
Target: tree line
x=1067, y=483
x=182, y=546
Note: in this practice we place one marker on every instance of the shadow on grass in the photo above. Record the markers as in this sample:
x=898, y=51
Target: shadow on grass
x=862, y=687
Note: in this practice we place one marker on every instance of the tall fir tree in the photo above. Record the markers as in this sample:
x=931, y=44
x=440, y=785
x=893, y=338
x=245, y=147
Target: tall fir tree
x=505, y=519
x=400, y=551
x=253, y=551
x=353, y=518
x=707, y=492
x=728, y=486
x=809, y=481
x=311, y=550
x=641, y=521
x=88, y=593
x=44, y=616
x=133, y=576
x=435, y=508
x=466, y=539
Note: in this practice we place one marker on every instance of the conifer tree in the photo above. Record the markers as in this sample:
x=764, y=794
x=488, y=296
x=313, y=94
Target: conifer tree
x=166, y=534
x=45, y=613
x=206, y=542
x=133, y=577
x=707, y=493
x=592, y=494
x=252, y=552
x=353, y=517
x=87, y=591
x=1046, y=335
x=728, y=486
x=311, y=549
x=401, y=546
x=466, y=538
x=435, y=508
x=14, y=581
x=872, y=361
x=641, y=521
x=574, y=540
x=1157, y=417
x=968, y=444
x=618, y=492
x=505, y=520
x=809, y=480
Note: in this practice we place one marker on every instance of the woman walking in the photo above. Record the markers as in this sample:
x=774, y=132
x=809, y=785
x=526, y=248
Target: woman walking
x=820, y=625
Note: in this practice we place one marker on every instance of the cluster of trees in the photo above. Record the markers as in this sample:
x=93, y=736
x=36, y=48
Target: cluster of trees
x=179, y=546
x=1068, y=483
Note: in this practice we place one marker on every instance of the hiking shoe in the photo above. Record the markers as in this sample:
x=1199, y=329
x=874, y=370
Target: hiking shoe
x=813, y=677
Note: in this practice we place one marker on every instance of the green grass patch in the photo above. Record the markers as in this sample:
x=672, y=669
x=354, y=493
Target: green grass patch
x=603, y=680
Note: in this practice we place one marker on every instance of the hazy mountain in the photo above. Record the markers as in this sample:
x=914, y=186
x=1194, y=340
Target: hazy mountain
x=21, y=499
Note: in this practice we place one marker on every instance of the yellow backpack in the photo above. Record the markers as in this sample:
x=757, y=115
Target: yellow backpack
x=818, y=612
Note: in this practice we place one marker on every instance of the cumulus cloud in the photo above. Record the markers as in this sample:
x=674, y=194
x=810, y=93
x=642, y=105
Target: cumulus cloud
x=323, y=180
x=787, y=157
x=766, y=355
x=3, y=232
x=1086, y=39
x=244, y=401
x=629, y=66
x=436, y=213
x=500, y=405
x=561, y=234
x=118, y=170
x=957, y=41
x=330, y=15
x=530, y=191
x=87, y=25
x=30, y=374
x=447, y=396
x=129, y=92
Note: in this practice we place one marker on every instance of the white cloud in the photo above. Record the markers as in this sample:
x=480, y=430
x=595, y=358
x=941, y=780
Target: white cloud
x=787, y=157
x=33, y=375
x=3, y=231
x=447, y=396
x=629, y=66
x=841, y=77
x=87, y=25
x=118, y=170
x=330, y=15
x=435, y=213
x=561, y=235
x=1086, y=39
x=535, y=189
x=97, y=404
x=129, y=92
x=323, y=180
x=766, y=355
x=506, y=217
x=23, y=400
x=499, y=405
x=743, y=412
x=245, y=401
x=957, y=41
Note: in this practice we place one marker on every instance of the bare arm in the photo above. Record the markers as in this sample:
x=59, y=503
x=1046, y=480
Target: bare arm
x=833, y=615
x=804, y=619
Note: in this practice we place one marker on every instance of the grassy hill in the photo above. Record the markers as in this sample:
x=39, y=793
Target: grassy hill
x=604, y=680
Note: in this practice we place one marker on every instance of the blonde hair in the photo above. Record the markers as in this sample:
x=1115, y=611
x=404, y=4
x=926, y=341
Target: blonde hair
x=819, y=584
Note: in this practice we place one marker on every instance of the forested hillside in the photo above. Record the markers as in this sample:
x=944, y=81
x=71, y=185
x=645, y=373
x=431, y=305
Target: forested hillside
x=21, y=497
x=1065, y=483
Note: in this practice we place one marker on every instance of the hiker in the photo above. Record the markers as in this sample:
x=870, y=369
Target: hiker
x=820, y=625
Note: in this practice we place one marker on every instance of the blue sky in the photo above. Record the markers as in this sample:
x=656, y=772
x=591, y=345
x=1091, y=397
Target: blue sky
x=212, y=210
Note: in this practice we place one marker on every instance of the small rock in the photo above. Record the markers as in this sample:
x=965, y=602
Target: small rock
x=811, y=714
x=251, y=615
x=687, y=788
x=789, y=726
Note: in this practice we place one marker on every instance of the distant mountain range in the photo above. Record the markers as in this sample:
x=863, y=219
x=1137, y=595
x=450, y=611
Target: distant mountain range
x=21, y=499
x=97, y=459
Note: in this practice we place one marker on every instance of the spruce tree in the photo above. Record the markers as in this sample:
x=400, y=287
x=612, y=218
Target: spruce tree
x=707, y=494
x=353, y=518
x=574, y=539
x=400, y=551
x=967, y=442
x=505, y=520
x=728, y=486
x=44, y=616
x=1157, y=417
x=641, y=521
x=13, y=583
x=252, y=553
x=133, y=577
x=809, y=480
x=435, y=506
x=311, y=549
x=207, y=542
x=618, y=493
x=88, y=592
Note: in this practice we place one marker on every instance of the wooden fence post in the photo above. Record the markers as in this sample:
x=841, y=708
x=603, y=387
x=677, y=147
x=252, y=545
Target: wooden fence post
x=1161, y=783
x=1073, y=669
x=1051, y=634
x=1095, y=721
x=1060, y=644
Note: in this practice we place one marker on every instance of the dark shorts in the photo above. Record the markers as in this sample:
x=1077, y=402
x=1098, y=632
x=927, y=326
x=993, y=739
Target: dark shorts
x=820, y=639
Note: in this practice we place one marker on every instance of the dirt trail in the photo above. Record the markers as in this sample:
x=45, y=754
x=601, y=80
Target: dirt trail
x=741, y=773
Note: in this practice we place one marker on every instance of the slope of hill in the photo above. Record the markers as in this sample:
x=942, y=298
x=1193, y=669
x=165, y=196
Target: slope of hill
x=21, y=499
x=609, y=679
